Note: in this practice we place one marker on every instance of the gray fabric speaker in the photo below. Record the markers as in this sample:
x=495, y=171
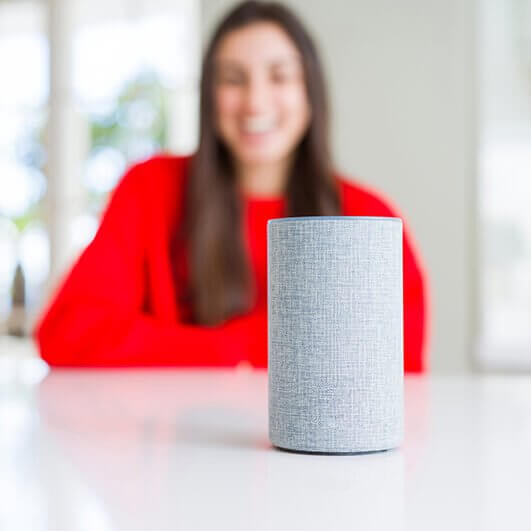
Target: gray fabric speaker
x=335, y=333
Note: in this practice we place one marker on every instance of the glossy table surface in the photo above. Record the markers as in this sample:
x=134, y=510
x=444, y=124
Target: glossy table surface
x=188, y=449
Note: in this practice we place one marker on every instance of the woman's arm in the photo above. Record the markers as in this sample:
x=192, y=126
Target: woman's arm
x=96, y=317
x=416, y=307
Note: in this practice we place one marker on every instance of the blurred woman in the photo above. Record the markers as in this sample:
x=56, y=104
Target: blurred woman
x=176, y=274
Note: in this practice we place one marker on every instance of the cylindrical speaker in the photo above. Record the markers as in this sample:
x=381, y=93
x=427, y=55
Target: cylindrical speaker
x=335, y=333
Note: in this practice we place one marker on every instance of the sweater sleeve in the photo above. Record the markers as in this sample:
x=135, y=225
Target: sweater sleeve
x=96, y=317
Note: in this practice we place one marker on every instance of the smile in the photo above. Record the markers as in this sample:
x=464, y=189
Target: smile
x=258, y=125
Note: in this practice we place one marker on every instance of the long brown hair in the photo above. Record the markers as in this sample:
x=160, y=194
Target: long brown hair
x=220, y=283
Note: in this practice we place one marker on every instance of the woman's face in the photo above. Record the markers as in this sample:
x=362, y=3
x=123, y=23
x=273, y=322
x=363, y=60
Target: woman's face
x=262, y=109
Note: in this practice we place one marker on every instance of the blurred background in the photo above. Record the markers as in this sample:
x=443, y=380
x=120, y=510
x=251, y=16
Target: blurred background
x=431, y=105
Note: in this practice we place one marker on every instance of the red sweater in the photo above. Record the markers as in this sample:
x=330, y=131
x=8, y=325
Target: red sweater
x=117, y=306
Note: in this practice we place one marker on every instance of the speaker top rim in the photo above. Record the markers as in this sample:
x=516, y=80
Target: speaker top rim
x=335, y=218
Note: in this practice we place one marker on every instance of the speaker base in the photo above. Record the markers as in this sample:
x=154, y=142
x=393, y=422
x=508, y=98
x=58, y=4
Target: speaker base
x=310, y=452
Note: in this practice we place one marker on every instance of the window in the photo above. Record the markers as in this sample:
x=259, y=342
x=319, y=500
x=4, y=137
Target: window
x=134, y=76
x=102, y=85
x=23, y=115
x=505, y=184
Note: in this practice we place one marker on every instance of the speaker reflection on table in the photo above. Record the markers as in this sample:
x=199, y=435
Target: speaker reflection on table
x=335, y=333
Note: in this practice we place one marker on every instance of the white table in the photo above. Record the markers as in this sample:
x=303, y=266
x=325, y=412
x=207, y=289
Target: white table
x=188, y=449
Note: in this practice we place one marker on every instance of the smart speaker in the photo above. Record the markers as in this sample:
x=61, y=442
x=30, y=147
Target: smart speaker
x=335, y=333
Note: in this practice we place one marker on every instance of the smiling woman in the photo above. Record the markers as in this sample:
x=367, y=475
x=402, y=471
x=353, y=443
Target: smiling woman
x=177, y=273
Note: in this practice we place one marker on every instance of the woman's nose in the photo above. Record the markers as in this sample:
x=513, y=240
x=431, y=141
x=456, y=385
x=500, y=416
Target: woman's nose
x=257, y=95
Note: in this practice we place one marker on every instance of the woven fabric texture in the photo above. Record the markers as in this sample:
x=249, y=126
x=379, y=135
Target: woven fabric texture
x=335, y=333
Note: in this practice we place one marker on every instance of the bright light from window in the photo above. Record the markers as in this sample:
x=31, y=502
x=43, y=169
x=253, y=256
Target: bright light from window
x=35, y=253
x=24, y=60
x=20, y=187
x=504, y=187
x=108, y=54
x=8, y=252
x=103, y=169
x=82, y=230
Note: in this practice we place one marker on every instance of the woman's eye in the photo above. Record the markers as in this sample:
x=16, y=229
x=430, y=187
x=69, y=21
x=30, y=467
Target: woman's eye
x=232, y=80
x=280, y=77
x=229, y=78
x=284, y=75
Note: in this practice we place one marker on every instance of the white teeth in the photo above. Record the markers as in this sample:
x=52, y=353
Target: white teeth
x=260, y=124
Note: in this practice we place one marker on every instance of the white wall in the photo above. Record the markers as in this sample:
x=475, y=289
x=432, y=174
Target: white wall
x=401, y=77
